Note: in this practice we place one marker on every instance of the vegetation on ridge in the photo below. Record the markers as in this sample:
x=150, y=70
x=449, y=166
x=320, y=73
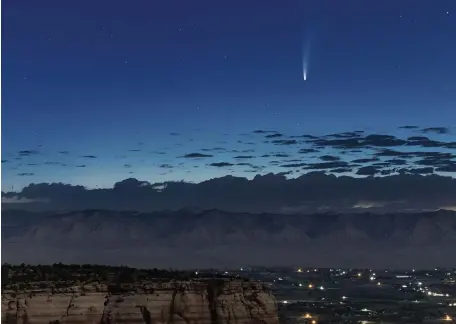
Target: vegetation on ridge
x=73, y=274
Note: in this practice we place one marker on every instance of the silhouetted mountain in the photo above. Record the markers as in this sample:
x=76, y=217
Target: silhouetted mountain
x=192, y=238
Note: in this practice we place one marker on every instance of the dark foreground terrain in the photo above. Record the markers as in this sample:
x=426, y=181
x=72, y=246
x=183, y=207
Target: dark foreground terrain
x=100, y=294
x=104, y=294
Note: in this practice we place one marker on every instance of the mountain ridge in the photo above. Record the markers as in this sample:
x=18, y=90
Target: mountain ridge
x=189, y=237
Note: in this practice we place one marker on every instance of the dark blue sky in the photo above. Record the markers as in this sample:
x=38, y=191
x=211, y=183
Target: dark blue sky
x=114, y=78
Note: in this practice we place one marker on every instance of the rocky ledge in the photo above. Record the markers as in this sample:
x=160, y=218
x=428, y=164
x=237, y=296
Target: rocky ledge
x=212, y=300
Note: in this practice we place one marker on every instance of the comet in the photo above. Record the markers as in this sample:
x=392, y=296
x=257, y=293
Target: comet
x=304, y=70
x=305, y=57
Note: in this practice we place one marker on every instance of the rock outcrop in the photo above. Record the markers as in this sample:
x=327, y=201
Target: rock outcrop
x=212, y=301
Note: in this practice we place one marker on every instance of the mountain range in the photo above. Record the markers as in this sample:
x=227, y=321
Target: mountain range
x=192, y=238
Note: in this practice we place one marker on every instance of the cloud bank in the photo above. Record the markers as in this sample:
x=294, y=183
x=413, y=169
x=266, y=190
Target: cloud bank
x=309, y=193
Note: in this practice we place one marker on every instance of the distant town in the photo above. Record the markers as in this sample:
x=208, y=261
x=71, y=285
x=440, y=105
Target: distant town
x=311, y=295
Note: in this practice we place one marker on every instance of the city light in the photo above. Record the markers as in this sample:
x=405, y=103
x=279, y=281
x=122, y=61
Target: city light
x=447, y=318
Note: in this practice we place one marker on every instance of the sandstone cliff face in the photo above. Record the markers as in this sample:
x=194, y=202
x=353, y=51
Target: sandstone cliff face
x=192, y=302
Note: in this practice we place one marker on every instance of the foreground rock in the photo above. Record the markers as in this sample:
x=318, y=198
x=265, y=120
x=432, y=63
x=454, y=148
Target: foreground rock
x=215, y=301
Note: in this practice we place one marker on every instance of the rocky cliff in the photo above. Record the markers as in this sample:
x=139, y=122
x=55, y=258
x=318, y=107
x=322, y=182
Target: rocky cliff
x=214, y=301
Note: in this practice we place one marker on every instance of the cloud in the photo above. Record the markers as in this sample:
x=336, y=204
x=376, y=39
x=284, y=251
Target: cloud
x=369, y=204
x=264, y=193
x=396, y=162
x=438, y=130
x=368, y=171
x=274, y=135
x=54, y=163
x=243, y=157
x=197, y=155
x=447, y=168
x=25, y=174
x=221, y=164
x=308, y=150
x=368, y=160
x=28, y=152
x=284, y=142
x=21, y=200
x=280, y=155
x=425, y=170
x=326, y=165
x=346, y=134
x=292, y=165
x=261, y=131
x=307, y=136
x=329, y=158
x=341, y=170
x=352, y=140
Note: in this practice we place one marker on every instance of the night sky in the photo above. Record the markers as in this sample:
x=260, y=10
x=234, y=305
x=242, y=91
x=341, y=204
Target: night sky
x=98, y=91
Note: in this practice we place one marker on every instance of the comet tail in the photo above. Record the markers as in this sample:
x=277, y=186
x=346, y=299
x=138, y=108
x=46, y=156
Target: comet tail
x=305, y=57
